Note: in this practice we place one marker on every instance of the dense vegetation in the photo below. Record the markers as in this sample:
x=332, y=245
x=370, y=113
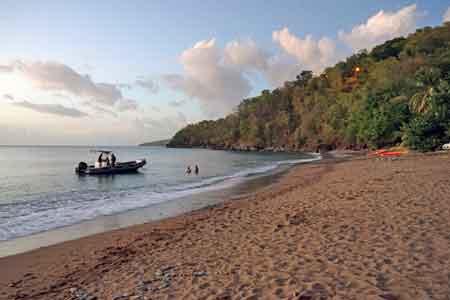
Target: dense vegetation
x=398, y=93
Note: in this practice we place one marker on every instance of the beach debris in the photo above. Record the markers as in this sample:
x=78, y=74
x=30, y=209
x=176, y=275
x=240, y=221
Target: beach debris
x=381, y=281
x=118, y=296
x=316, y=292
x=144, y=287
x=333, y=258
x=390, y=296
x=20, y=295
x=304, y=295
x=163, y=275
x=81, y=294
x=200, y=274
x=31, y=275
x=15, y=283
x=297, y=219
x=278, y=227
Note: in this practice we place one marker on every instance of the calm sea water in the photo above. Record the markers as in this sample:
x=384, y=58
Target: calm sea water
x=40, y=191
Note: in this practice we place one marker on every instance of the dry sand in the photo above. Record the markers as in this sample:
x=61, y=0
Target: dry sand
x=360, y=229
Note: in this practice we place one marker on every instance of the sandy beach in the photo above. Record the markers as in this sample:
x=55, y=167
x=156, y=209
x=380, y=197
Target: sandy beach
x=355, y=229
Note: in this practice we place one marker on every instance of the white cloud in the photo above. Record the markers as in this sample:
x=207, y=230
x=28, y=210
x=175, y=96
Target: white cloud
x=245, y=54
x=247, y=57
x=218, y=78
x=54, y=76
x=61, y=95
x=127, y=104
x=311, y=54
x=6, y=69
x=280, y=69
x=54, y=109
x=177, y=103
x=218, y=86
x=381, y=27
x=446, y=17
x=124, y=86
x=100, y=111
x=63, y=81
x=8, y=97
x=149, y=85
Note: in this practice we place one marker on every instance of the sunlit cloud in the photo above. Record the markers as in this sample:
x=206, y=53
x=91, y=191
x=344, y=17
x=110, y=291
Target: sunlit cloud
x=54, y=109
x=281, y=68
x=446, y=17
x=63, y=81
x=311, y=54
x=55, y=76
x=58, y=77
x=217, y=86
x=246, y=55
x=382, y=27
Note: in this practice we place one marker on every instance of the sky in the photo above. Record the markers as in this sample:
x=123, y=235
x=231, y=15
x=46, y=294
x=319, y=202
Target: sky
x=126, y=72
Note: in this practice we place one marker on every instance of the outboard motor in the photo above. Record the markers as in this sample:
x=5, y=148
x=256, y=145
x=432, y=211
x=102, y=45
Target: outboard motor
x=82, y=167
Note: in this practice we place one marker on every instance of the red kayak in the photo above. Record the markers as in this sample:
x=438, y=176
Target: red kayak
x=378, y=152
x=384, y=153
x=391, y=153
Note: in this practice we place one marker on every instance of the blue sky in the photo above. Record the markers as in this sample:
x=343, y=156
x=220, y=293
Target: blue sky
x=120, y=42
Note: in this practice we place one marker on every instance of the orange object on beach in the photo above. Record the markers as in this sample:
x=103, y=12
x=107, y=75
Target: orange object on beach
x=377, y=152
x=385, y=152
x=391, y=153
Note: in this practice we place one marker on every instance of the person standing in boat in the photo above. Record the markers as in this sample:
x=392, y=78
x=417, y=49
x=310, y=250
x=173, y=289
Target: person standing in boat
x=113, y=159
x=188, y=170
x=100, y=160
x=196, y=170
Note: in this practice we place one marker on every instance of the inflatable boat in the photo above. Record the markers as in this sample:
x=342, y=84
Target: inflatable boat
x=106, y=167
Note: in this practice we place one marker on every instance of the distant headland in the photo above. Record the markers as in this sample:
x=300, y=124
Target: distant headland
x=155, y=143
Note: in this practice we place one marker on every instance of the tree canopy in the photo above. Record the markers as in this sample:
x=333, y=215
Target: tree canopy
x=398, y=93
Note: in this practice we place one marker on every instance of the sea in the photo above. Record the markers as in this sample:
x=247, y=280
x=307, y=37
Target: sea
x=39, y=190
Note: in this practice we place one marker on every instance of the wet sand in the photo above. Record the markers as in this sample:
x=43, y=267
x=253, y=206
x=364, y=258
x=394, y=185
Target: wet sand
x=155, y=212
x=358, y=229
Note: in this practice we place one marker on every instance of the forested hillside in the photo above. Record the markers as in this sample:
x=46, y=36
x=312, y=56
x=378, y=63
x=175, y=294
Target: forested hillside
x=398, y=93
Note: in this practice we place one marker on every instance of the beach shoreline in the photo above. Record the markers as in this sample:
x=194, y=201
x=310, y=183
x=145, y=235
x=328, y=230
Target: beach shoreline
x=143, y=215
x=50, y=196
x=334, y=228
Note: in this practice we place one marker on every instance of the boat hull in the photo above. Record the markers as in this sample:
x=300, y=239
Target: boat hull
x=119, y=168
